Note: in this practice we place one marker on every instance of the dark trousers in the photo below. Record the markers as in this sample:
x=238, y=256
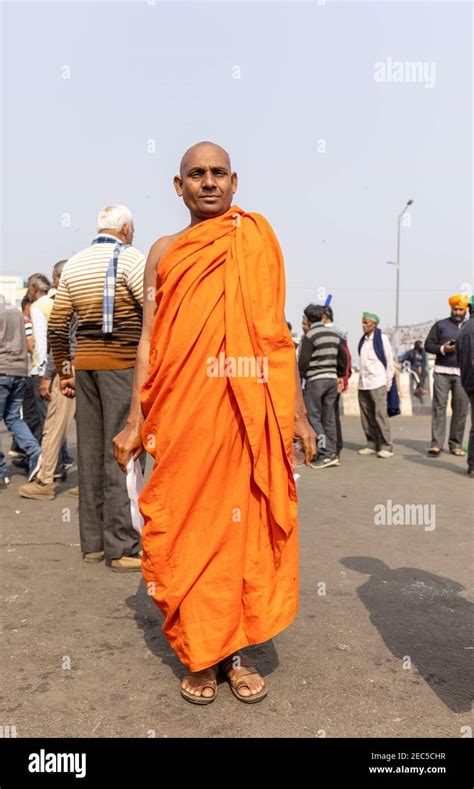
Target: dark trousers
x=35, y=407
x=339, y=441
x=470, y=449
x=103, y=402
x=443, y=384
x=320, y=399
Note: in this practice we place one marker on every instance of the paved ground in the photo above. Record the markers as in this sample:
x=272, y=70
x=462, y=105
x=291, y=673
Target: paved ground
x=380, y=647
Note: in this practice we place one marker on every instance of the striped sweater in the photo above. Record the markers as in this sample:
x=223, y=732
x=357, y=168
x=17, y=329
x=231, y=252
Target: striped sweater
x=80, y=291
x=322, y=353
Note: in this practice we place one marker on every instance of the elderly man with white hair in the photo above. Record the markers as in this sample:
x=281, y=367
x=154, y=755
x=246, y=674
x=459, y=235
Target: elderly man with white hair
x=103, y=285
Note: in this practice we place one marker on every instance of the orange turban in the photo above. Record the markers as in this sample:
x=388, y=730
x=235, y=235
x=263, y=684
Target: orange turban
x=460, y=300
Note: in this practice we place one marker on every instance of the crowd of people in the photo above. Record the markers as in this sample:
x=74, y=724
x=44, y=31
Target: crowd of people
x=86, y=346
x=89, y=342
x=324, y=363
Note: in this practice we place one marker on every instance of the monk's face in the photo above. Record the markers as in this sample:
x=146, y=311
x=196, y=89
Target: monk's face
x=206, y=182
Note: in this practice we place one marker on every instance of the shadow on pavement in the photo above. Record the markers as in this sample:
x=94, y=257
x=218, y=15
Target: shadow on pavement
x=422, y=616
x=353, y=445
x=438, y=464
x=415, y=444
x=149, y=619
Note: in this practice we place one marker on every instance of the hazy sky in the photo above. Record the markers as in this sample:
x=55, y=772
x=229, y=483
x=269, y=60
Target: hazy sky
x=328, y=153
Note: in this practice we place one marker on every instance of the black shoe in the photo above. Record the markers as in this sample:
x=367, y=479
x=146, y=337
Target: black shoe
x=4, y=483
x=21, y=463
x=470, y=472
x=325, y=462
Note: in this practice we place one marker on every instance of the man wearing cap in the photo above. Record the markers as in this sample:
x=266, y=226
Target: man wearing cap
x=376, y=380
x=441, y=341
x=465, y=354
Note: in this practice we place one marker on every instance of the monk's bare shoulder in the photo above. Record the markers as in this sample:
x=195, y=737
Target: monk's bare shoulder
x=160, y=246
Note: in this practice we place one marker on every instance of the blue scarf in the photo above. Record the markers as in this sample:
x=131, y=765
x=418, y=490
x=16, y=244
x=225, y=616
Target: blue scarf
x=393, y=400
x=110, y=282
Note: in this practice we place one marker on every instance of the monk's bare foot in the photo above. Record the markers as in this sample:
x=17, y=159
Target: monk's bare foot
x=245, y=681
x=200, y=684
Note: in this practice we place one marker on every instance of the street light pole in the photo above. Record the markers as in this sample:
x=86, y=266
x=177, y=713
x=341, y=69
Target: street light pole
x=397, y=266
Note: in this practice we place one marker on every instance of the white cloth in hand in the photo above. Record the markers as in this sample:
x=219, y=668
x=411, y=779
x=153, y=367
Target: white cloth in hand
x=135, y=485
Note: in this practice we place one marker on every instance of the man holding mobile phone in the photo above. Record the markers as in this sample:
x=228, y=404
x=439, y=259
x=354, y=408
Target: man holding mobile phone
x=441, y=341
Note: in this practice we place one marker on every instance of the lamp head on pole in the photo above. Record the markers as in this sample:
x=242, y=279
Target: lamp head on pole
x=409, y=202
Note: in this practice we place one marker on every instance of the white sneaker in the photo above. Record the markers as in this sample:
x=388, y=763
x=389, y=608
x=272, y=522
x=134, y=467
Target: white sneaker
x=367, y=451
x=14, y=454
x=385, y=453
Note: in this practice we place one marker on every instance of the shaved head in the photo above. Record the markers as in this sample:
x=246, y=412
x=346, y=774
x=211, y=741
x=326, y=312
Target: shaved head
x=206, y=181
x=202, y=147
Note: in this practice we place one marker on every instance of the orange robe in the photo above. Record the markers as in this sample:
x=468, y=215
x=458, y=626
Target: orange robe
x=220, y=554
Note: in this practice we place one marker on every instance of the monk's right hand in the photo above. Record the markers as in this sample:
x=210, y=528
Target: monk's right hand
x=307, y=436
x=128, y=442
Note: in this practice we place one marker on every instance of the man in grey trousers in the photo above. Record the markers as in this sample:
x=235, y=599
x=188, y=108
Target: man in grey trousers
x=441, y=341
x=322, y=361
x=103, y=285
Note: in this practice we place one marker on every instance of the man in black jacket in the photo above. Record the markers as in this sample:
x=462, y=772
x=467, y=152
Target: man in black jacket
x=441, y=341
x=465, y=354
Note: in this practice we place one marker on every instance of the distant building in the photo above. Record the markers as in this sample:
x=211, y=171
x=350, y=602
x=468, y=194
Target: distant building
x=407, y=335
x=12, y=289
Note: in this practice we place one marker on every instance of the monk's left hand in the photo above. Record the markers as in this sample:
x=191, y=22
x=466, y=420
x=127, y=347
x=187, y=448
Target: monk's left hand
x=307, y=436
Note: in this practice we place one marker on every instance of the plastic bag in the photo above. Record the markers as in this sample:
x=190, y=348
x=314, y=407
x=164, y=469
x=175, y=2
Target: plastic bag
x=135, y=483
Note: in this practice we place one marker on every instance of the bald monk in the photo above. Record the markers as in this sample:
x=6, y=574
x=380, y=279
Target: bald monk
x=216, y=401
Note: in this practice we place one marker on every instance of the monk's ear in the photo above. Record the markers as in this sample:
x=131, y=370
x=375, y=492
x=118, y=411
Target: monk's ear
x=178, y=185
x=234, y=182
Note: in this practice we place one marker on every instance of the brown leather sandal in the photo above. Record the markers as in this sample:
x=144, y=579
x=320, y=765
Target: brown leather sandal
x=228, y=667
x=210, y=681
